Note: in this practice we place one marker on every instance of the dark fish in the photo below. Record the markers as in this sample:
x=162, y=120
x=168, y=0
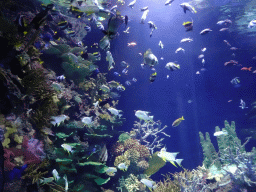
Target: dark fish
x=87, y=28
x=47, y=37
x=126, y=20
x=104, y=102
x=63, y=25
x=71, y=33
x=22, y=23
x=152, y=77
x=113, y=25
x=41, y=17
x=70, y=26
x=85, y=56
x=76, y=12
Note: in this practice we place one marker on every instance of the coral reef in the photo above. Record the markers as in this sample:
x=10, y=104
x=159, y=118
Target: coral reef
x=130, y=184
x=148, y=132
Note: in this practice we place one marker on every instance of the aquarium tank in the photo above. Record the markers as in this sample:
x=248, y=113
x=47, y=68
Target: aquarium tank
x=127, y=96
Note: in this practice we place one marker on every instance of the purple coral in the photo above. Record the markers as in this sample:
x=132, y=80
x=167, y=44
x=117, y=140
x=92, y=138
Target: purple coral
x=36, y=147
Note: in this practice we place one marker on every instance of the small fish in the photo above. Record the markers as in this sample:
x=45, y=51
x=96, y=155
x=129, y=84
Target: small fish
x=127, y=30
x=220, y=133
x=88, y=28
x=201, y=56
x=152, y=77
x=203, y=49
x=125, y=71
x=132, y=4
x=55, y=175
x=144, y=115
x=172, y=66
x=231, y=62
x=120, y=88
x=168, y=2
x=233, y=48
x=115, y=112
x=252, y=24
x=228, y=44
x=179, y=49
x=128, y=83
x=177, y=121
x=150, y=184
x=205, y=31
x=246, y=68
x=67, y=148
x=116, y=74
x=63, y=25
x=61, y=78
x=144, y=16
x=126, y=20
x=198, y=72
x=71, y=33
x=87, y=120
x=167, y=77
x=203, y=61
x=224, y=29
x=188, y=7
x=229, y=101
x=122, y=166
x=124, y=64
x=243, y=104
x=186, y=40
x=161, y=45
x=132, y=44
x=111, y=171
x=144, y=8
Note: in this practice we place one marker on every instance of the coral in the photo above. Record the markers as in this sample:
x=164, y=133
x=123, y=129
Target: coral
x=131, y=183
x=118, y=149
x=210, y=155
x=143, y=165
x=36, y=147
x=147, y=134
x=155, y=164
x=131, y=143
x=121, y=159
x=35, y=172
x=168, y=185
x=133, y=155
x=123, y=137
x=143, y=151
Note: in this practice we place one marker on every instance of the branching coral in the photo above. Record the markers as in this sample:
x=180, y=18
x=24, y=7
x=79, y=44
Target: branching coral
x=131, y=184
x=148, y=133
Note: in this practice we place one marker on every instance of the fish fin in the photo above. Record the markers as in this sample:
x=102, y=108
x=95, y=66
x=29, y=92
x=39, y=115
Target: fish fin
x=173, y=163
x=184, y=9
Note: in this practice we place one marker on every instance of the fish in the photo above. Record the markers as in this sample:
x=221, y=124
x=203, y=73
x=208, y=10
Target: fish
x=246, y=68
x=188, y=25
x=144, y=8
x=131, y=44
x=205, y=31
x=144, y=115
x=148, y=183
x=105, y=88
x=122, y=166
x=67, y=148
x=243, y=104
x=252, y=24
x=124, y=64
x=113, y=8
x=125, y=71
x=110, y=60
x=203, y=49
x=126, y=20
x=87, y=120
x=149, y=58
x=168, y=2
x=103, y=154
x=114, y=23
x=127, y=30
x=188, y=7
x=120, y=88
x=235, y=81
x=152, y=26
x=71, y=33
x=172, y=66
x=177, y=121
x=66, y=182
x=132, y=4
x=113, y=84
x=87, y=28
x=161, y=45
x=128, y=83
x=171, y=157
x=231, y=62
x=233, y=48
x=152, y=77
x=63, y=25
x=220, y=133
x=55, y=174
x=144, y=16
x=57, y=120
x=201, y=56
x=180, y=49
x=111, y=171
x=203, y=61
x=228, y=44
x=224, y=29
x=115, y=112
x=186, y=40
x=104, y=102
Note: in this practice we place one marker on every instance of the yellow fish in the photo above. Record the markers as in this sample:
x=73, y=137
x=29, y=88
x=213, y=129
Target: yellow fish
x=177, y=121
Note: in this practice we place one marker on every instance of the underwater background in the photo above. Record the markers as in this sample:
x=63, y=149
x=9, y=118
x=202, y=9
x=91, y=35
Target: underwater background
x=60, y=102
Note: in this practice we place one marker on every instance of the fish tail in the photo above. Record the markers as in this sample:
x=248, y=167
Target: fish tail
x=182, y=118
x=250, y=68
